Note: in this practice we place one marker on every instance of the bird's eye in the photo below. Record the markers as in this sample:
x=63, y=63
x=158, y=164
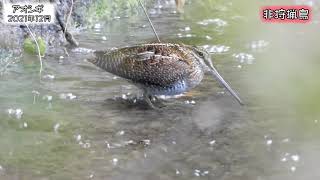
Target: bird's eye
x=200, y=53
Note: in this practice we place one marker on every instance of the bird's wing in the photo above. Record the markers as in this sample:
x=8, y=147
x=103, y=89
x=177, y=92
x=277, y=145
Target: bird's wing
x=151, y=64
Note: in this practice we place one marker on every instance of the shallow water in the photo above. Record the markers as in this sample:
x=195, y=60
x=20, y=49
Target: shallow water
x=82, y=123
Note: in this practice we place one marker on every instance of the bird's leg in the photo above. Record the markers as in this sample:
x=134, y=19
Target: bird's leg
x=147, y=98
x=159, y=101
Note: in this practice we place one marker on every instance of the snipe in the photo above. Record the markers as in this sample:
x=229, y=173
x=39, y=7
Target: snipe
x=160, y=68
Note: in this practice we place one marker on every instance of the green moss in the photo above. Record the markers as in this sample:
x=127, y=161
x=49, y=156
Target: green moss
x=30, y=46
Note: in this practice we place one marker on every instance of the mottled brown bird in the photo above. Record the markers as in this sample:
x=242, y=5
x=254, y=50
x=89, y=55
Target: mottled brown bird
x=160, y=68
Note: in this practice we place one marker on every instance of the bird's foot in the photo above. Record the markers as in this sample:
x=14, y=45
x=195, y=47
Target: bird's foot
x=149, y=100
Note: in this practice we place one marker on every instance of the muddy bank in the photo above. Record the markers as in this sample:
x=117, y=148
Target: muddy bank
x=85, y=13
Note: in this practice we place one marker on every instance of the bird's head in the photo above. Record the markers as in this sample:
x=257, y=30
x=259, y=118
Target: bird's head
x=205, y=60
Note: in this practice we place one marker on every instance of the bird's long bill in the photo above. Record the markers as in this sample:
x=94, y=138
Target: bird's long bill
x=215, y=73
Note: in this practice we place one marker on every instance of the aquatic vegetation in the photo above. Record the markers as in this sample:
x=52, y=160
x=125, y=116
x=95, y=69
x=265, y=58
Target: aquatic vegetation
x=30, y=46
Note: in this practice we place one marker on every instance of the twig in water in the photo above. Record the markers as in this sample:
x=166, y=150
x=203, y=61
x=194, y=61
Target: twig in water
x=38, y=48
x=63, y=26
x=68, y=17
x=145, y=12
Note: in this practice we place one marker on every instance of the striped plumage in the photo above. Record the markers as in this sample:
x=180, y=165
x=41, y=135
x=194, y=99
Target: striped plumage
x=157, y=68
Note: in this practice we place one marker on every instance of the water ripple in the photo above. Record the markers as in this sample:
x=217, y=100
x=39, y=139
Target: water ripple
x=244, y=58
x=216, y=48
x=218, y=22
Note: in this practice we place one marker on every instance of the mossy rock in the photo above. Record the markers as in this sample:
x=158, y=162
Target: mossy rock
x=30, y=46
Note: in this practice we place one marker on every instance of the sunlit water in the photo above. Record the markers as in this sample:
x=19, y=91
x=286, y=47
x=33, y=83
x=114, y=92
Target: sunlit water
x=80, y=122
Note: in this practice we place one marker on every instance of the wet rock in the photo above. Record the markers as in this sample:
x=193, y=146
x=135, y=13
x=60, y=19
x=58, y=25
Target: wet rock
x=8, y=60
x=12, y=37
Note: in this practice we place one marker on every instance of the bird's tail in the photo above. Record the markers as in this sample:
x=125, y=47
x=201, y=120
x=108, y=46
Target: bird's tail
x=102, y=60
x=94, y=57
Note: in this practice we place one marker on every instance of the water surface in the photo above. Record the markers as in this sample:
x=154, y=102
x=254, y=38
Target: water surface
x=80, y=122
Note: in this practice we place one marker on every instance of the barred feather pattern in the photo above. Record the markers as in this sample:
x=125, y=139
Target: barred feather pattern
x=158, y=68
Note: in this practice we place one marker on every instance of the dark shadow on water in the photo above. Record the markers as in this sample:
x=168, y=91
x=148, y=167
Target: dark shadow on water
x=138, y=103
